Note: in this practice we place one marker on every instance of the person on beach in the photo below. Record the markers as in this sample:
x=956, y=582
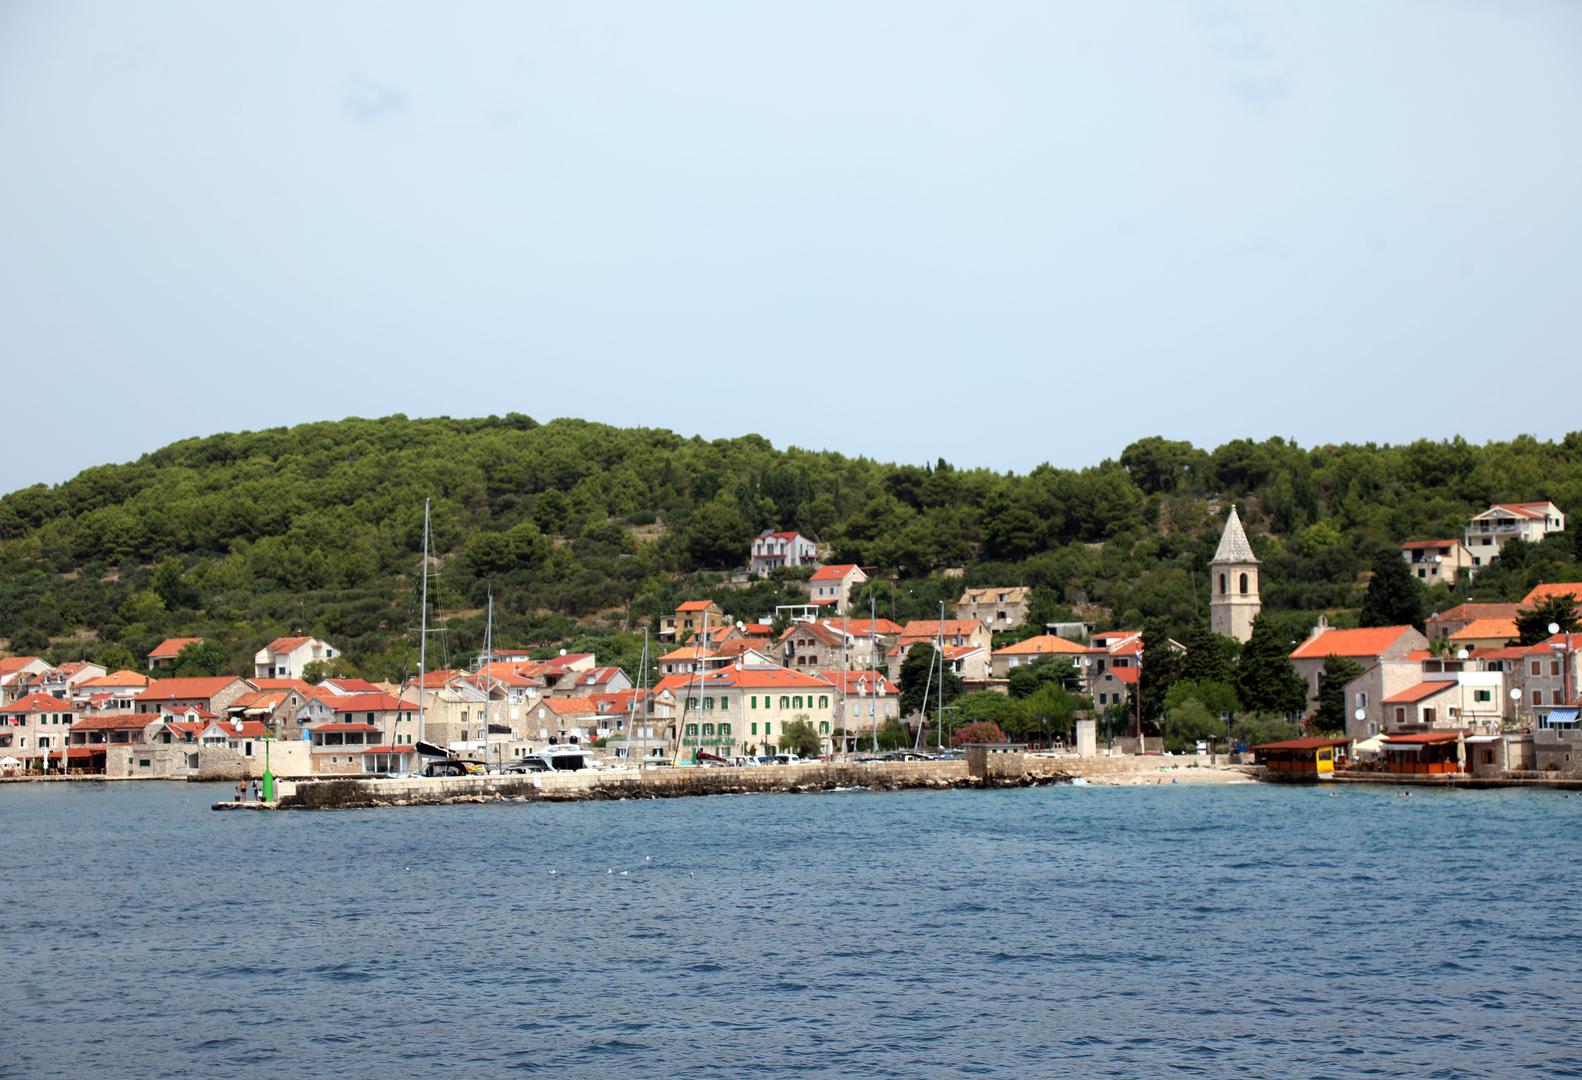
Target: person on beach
x=239, y=793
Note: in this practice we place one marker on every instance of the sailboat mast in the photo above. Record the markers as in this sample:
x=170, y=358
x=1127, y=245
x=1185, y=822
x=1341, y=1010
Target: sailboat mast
x=488, y=677
x=873, y=688
x=422, y=633
x=939, y=709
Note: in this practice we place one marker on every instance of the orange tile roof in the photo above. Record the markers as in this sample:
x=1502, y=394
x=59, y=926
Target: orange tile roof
x=343, y=727
x=1540, y=593
x=184, y=689
x=286, y=644
x=1369, y=641
x=33, y=703
x=694, y=605
x=299, y=685
x=1420, y=691
x=1468, y=612
x=1042, y=645
x=248, y=729
x=859, y=683
x=837, y=572
x=170, y=648
x=366, y=703
x=117, y=678
x=570, y=706
x=113, y=722
x=1416, y=545
x=1502, y=629
x=923, y=629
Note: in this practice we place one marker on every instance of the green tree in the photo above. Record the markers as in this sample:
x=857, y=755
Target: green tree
x=1051, y=710
x=1330, y=716
x=172, y=586
x=915, y=680
x=1161, y=666
x=1393, y=598
x=1188, y=722
x=1532, y=624
x=1265, y=680
x=116, y=658
x=798, y=737
x=892, y=736
x=200, y=658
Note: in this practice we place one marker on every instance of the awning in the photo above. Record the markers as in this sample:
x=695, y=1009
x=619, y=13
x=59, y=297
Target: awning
x=1483, y=738
x=1562, y=716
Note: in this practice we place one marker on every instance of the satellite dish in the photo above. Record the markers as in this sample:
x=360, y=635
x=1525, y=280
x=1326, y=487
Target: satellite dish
x=1516, y=693
x=1554, y=628
x=562, y=652
x=1462, y=654
x=237, y=723
x=1360, y=715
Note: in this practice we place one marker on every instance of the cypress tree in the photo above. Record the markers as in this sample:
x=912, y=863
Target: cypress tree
x=1393, y=597
x=1265, y=679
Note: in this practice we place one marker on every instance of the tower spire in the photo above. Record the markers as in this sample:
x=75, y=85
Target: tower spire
x=1233, y=582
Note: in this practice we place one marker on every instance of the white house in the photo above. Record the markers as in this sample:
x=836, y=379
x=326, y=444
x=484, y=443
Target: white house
x=285, y=658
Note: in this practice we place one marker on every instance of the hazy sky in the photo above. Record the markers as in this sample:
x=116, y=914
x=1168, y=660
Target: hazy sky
x=1000, y=233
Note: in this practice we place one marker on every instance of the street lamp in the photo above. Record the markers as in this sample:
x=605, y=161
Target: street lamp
x=1516, y=703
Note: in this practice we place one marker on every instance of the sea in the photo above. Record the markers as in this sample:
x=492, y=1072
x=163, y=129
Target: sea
x=1192, y=930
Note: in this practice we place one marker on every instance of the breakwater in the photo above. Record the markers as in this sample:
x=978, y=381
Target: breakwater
x=664, y=783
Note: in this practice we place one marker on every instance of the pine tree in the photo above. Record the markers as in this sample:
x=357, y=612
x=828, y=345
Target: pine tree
x=1330, y=717
x=1265, y=679
x=1533, y=625
x=1393, y=598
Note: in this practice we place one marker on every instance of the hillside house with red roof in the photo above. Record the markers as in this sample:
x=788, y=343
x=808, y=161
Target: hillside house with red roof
x=1503, y=522
x=288, y=657
x=164, y=654
x=1031, y=651
x=832, y=585
x=745, y=709
x=1447, y=622
x=694, y=618
x=779, y=551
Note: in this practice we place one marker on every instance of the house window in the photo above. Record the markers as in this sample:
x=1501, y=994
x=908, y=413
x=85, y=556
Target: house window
x=1400, y=714
x=785, y=703
x=1537, y=667
x=755, y=727
x=1482, y=695
x=1538, y=697
x=823, y=727
x=1222, y=589
x=1554, y=667
x=1555, y=698
x=725, y=729
x=692, y=729
x=725, y=703
x=708, y=729
x=1428, y=716
x=753, y=701
x=823, y=701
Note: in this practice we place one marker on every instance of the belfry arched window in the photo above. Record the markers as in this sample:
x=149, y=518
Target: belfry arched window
x=1244, y=584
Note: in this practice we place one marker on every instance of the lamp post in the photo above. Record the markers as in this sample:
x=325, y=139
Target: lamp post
x=1516, y=705
x=268, y=787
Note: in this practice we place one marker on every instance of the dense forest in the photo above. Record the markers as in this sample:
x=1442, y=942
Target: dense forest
x=585, y=533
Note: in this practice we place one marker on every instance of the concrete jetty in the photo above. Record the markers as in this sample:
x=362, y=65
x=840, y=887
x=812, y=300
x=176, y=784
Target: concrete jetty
x=982, y=770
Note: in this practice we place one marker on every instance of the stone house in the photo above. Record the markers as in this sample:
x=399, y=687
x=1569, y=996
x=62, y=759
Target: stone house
x=210, y=694
x=999, y=608
x=1467, y=700
x=35, y=725
x=1391, y=660
x=694, y=618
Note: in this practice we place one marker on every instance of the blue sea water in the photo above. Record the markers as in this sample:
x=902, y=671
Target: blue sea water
x=1067, y=931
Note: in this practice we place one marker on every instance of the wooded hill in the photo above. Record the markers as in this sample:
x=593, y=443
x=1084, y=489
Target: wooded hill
x=585, y=533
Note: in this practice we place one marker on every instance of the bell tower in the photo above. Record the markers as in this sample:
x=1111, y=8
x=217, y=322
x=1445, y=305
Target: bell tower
x=1233, y=583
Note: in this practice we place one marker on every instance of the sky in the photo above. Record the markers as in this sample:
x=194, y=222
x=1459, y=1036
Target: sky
x=1000, y=234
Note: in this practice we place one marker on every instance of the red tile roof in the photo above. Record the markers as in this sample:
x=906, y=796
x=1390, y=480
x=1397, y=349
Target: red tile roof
x=924, y=629
x=205, y=686
x=1312, y=742
x=36, y=703
x=349, y=686
x=342, y=703
x=1420, y=691
x=117, y=679
x=837, y=572
x=1502, y=629
x=859, y=683
x=301, y=686
x=1424, y=738
x=1468, y=612
x=344, y=727
x=1371, y=641
x=1540, y=593
x=694, y=605
x=249, y=729
x=170, y=648
x=1419, y=545
x=1042, y=645
x=557, y=662
x=286, y=644
x=570, y=706
x=112, y=722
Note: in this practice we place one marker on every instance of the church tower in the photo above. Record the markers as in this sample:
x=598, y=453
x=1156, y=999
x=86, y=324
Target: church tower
x=1233, y=579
